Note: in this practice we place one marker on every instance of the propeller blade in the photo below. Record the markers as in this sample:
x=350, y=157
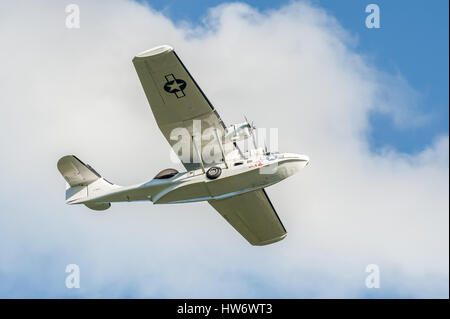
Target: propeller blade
x=254, y=140
x=248, y=123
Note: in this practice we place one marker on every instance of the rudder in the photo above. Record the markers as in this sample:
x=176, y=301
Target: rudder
x=75, y=172
x=84, y=183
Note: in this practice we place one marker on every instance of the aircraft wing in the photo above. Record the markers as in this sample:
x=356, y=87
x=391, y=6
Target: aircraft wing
x=253, y=216
x=176, y=99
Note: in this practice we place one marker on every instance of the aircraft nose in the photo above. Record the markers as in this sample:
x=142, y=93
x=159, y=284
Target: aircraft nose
x=304, y=158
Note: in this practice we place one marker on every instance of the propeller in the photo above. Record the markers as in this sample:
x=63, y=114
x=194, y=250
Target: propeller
x=252, y=128
x=255, y=145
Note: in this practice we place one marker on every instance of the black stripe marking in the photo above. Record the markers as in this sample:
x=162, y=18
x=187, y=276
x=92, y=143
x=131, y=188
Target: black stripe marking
x=198, y=87
x=88, y=167
x=273, y=208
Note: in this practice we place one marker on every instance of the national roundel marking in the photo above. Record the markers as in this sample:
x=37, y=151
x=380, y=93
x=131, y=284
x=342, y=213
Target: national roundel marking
x=174, y=85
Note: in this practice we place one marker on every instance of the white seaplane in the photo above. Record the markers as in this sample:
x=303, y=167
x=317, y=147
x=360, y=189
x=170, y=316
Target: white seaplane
x=233, y=182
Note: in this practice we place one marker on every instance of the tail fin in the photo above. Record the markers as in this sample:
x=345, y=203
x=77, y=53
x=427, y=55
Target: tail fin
x=75, y=172
x=82, y=180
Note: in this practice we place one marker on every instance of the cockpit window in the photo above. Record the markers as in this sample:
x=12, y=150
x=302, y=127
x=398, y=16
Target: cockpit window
x=166, y=173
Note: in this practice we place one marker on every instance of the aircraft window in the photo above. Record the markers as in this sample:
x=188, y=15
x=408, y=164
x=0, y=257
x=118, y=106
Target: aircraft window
x=166, y=173
x=238, y=163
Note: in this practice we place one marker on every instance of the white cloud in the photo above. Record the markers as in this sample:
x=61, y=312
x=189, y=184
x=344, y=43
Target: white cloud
x=75, y=91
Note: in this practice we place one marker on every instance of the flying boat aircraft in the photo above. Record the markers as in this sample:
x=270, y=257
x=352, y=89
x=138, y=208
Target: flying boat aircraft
x=232, y=181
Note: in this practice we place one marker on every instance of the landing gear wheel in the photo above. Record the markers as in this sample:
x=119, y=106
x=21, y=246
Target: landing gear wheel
x=214, y=172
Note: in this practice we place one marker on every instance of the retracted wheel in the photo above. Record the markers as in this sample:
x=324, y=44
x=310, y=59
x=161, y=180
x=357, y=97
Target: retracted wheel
x=214, y=172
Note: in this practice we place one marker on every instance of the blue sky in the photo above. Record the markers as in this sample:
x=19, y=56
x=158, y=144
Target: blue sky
x=412, y=41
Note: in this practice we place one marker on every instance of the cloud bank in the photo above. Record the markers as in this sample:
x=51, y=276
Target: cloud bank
x=75, y=91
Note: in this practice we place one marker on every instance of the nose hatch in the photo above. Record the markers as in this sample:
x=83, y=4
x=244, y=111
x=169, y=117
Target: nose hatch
x=303, y=158
x=306, y=158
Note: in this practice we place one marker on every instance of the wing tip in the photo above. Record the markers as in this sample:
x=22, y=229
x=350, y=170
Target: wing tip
x=154, y=51
x=270, y=241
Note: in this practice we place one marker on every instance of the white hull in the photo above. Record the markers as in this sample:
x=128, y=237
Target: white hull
x=194, y=186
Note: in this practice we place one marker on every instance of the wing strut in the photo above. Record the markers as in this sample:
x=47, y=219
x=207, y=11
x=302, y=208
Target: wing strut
x=198, y=154
x=221, y=148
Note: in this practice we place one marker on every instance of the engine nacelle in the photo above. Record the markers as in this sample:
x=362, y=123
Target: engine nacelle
x=238, y=132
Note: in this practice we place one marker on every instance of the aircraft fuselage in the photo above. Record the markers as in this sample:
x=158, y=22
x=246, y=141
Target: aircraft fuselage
x=239, y=176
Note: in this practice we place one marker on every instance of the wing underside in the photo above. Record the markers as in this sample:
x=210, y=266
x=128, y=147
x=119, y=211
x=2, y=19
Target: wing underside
x=177, y=101
x=253, y=216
